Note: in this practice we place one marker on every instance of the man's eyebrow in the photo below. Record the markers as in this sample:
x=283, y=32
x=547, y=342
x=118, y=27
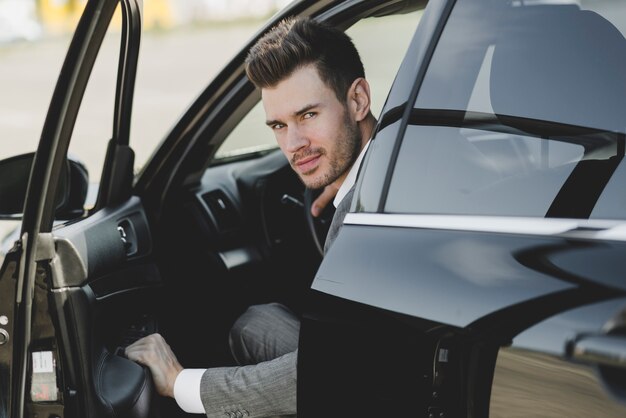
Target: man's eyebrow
x=296, y=113
x=305, y=109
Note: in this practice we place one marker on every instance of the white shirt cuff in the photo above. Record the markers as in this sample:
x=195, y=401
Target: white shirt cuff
x=187, y=390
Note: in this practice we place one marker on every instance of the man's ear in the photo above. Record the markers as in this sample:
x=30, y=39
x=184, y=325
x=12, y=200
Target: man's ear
x=359, y=99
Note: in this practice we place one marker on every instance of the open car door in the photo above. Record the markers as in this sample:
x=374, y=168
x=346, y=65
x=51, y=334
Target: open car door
x=54, y=290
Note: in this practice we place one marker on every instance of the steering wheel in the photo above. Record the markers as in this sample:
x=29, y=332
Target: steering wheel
x=318, y=226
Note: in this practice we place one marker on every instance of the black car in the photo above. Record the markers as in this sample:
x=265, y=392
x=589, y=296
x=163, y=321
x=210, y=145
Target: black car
x=476, y=275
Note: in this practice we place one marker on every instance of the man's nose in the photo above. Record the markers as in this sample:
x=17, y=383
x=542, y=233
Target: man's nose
x=296, y=139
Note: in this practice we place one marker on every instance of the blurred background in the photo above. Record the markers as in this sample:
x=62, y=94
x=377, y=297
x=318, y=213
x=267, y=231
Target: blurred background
x=184, y=44
x=33, y=19
x=184, y=40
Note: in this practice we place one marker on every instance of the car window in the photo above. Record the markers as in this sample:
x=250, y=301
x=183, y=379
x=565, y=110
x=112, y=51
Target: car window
x=94, y=124
x=381, y=59
x=175, y=65
x=522, y=117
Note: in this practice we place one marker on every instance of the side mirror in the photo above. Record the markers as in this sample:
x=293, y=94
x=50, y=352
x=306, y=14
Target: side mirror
x=14, y=176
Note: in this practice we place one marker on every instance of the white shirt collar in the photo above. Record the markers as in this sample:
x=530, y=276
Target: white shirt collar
x=351, y=177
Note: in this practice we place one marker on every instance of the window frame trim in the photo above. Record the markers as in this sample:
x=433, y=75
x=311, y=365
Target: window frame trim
x=614, y=230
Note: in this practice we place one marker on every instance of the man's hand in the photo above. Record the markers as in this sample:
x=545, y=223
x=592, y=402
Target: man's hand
x=327, y=195
x=154, y=352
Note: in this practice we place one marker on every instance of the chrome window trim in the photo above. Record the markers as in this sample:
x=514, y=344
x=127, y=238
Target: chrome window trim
x=594, y=229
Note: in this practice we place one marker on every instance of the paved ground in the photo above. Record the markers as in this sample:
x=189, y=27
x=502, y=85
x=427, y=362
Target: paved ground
x=173, y=68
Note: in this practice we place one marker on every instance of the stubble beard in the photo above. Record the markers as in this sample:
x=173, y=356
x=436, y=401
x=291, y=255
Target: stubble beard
x=340, y=159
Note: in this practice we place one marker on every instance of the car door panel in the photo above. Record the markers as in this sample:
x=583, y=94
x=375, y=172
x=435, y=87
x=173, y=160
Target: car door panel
x=506, y=269
x=109, y=383
x=104, y=291
x=355, y=360
x=8, y=294
x=61, y=364
x=104, y=241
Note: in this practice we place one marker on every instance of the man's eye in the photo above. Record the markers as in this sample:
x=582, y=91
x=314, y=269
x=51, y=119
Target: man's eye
x=277, y=126
x=308, y=115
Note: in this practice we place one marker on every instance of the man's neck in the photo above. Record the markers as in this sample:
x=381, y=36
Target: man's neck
x=340, y=184
x=366, y=126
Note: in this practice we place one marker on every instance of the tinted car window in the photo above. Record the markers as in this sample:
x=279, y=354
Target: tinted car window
x=520, y=113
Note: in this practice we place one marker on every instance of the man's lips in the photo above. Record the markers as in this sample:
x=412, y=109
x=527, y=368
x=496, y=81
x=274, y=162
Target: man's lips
x=307, y=164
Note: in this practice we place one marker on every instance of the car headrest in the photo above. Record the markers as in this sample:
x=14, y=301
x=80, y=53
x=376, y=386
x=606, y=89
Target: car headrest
x=562, y=64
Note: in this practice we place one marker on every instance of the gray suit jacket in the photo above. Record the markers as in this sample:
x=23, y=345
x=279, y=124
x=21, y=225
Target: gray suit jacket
x=261, y=390
x=265, y=389
x=338, y=217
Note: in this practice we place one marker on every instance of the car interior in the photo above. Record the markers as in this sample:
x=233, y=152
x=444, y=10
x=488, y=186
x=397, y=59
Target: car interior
x=238, y=231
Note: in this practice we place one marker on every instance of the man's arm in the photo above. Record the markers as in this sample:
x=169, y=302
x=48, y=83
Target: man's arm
x=265, y=389
x=261, y=390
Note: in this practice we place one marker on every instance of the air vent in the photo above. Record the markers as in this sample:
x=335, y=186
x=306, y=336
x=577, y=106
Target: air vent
x=222, y=210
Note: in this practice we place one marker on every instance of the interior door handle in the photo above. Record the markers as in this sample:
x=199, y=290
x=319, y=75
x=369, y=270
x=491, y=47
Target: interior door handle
x=128, y=236
x=604, y=350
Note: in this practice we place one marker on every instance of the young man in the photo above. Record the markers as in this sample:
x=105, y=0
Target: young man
x=317, y=102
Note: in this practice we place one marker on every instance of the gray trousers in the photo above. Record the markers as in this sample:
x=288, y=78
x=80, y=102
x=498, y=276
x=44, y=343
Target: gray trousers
x=264, y=332
x=264, y=340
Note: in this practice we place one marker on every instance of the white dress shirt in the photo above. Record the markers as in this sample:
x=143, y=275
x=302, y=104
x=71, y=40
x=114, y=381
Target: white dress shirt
x=351, y=177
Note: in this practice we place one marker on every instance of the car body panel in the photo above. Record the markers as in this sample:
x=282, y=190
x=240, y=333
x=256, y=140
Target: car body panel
x=434, y=265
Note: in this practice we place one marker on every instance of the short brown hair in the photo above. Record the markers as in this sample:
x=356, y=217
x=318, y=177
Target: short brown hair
x=296, y=42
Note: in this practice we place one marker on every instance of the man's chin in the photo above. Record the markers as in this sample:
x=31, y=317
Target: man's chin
x=312, y=182
x=312, y=179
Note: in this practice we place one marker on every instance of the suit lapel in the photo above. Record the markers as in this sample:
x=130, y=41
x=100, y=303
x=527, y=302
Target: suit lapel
x=337, y=222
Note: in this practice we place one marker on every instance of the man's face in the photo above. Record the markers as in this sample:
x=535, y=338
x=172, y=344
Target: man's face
x=313, y=128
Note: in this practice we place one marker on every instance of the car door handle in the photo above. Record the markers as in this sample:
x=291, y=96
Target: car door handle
x=605, y=350
x=128, y=237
